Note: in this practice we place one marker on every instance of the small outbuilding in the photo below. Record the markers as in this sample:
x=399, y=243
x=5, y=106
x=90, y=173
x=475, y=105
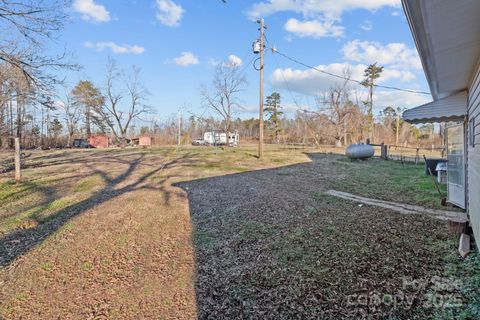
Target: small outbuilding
x=80, y=143
x=98, y=141
x=145, y=141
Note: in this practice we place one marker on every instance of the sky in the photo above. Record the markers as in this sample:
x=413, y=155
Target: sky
x=177, y=43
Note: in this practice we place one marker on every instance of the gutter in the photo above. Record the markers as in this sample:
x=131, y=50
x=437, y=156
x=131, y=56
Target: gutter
x=414, y=12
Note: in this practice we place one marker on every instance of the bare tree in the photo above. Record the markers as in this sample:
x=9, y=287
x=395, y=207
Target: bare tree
x=341, y=116
x=72, y=115
x=222, y=97
x=26, y=26
x=122, y=103
x=15, y=89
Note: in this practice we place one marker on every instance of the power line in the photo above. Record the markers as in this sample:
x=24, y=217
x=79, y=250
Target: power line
x=274, y=50
x=290, y=91
x=246, y=65
x=286, y=82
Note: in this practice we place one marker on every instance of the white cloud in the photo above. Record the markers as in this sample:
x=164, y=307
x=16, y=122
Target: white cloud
x=321, y=17
x=91, y=11
x=326, y=8
x=314, y=28
x=231, y=61
x=212, y=62
x=186, y=59
x=366, y=25
x=311, y=82
x=287, y=107
x=169, y=13
x=402, y=99
x=235, y=61
x=402, y=75
x=395, y=13
x=397, y=55
x=115, y=48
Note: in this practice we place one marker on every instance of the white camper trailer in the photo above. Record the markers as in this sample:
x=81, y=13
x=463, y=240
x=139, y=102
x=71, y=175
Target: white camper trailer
x=215, y=138
x=233, y=139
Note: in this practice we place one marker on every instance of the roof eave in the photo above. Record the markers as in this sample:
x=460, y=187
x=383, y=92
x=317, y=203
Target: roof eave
x=415, y=17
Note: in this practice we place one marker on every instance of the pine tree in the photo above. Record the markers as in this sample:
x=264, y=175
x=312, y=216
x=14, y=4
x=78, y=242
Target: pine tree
x=372, y=73
x=272, y=108
x=87, y=95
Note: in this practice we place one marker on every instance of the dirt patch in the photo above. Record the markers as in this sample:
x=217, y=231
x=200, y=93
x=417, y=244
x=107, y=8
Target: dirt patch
x=292, y=252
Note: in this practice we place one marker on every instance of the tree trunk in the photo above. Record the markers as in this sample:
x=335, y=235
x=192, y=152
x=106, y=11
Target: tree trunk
x=370, y=113
x=19, y=120
x=41, y=131
x=88, y=117
x=18, y=172
x=2, y=120
x=48, y=129
x=123, y=140
x=11, y=138
x=227, y=130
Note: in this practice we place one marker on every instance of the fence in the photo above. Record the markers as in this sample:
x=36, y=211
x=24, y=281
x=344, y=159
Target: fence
x=391, y=152
x=412, y=154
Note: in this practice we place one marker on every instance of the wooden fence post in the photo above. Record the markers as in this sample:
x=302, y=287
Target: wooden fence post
x=383, y=151
x=18, y=163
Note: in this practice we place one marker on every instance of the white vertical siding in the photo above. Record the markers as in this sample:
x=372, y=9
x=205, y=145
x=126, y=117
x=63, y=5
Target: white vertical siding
x=473, y=165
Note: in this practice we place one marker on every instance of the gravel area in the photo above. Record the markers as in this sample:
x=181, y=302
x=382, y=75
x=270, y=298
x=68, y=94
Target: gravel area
x=270, y=244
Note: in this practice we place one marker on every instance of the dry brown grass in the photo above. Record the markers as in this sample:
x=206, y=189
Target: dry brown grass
x=95, y=234
x=103, y=233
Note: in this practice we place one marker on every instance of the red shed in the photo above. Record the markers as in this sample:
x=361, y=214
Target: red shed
x=145, y=141
x=98, y=141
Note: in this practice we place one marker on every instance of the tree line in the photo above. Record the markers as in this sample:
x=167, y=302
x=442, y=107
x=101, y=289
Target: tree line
x=42, y=111
x=120, y=111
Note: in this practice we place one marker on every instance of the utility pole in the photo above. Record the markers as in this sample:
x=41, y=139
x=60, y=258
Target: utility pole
x=262, y=49
x=398, y=128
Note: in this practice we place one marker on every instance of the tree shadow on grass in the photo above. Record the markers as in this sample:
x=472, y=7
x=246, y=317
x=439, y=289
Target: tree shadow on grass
x=19, y=242
x=269, y=244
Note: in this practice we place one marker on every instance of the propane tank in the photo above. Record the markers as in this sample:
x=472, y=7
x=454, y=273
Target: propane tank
x=359, y=151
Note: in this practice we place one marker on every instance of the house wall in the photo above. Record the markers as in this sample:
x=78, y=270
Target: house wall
x=473, y=155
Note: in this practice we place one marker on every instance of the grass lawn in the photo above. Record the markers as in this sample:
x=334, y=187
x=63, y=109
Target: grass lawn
x=217, y=233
